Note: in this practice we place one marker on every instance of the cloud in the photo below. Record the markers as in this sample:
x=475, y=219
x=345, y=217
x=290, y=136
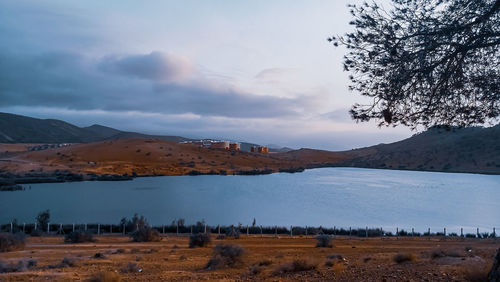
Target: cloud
x=156, y=66
x=148, y=83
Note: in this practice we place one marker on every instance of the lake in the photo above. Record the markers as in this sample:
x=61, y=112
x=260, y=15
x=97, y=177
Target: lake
x=341, y=197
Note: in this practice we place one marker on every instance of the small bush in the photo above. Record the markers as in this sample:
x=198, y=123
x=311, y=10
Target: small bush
x=324, y=241
x=69, y=262
x=295, y=266
x=131, y=267
x=335, y=256
x=107, y=276
x=99, y=256
x=145, y=234
x=225, y=256
x=403, y=257
x=20, y=266
x=11, y=242
x=438, y=253
x=199, y=240
x=329, y=263
x=79, y=237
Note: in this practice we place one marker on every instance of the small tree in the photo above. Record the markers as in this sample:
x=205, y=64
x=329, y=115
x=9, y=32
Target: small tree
x=43, y=218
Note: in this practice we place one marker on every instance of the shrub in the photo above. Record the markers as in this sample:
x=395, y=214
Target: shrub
x=79, y=237
x=20, y=266
x=225, y=256
x=107, y=276
x=11, y=242
x=295, y=266
x=146, y=234
x=130, y=267
x=199, y=240
x=99, y=256
x=43, y=218
x=68, y=262
x=324, y=241
x=438, y=253
x=403, y=257
x=233, y=232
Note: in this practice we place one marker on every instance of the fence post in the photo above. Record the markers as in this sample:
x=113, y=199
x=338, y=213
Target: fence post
x=444, y=232
x=85, y=226
x=36, y=225
x=48, y=227
x=350, y=232
x=397, y=233
x=11, y=228
x=163, y=229
x=276, y=231
x=177, y=229
x=291, y=231
x=73, y=227
x=24, y=228
x=494, y=233
x=306, y=231
x=412, y=232
x=261, y=234
x=461, y=232
x=191, y=232
x=334, y=231
x=477, y=231
x=98, y=229
x=218, y=229
x=366, y=232
x=111, y=228
x=61, y=228
x=205, y=228
x=248, y=231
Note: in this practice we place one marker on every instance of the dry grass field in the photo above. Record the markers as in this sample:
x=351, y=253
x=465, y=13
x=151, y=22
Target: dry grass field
x=266, y=259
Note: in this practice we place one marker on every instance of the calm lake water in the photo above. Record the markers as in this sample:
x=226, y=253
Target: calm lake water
x=328, y=196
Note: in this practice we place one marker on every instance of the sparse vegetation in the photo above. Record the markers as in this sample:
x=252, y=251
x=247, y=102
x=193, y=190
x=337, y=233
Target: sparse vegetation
x=20, y=266
x=131, y=267
x=199, y=240
x=324, y=241
x=42, y=219
x=295, y=266
x=11, y=242
x=404, y=257
x=79, y=237
x=143, y=232
x=225, y=256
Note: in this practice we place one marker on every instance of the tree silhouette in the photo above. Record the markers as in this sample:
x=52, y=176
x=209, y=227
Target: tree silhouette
x=425, y=62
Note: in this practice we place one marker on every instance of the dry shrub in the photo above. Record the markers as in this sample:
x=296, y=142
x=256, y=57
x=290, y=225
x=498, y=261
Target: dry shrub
x=324, y=241
x=439, y=253
x=225, y=256
x=295, y=266
x=11, y=242
x=404, y=257
x=20, y=266
x=99, y=256
x=69, y=262
x=329, y=263
x=199, y=240
x=130, y=268
x=335, y=256
x=146, y=234
x=79, y=237
x=106, y=276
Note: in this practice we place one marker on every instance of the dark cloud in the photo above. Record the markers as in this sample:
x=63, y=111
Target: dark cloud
x=146, y=83
x=155, y=66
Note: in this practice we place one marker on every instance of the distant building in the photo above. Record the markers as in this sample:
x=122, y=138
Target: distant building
x=235, y=146
x=259, y=149
x=220, y=145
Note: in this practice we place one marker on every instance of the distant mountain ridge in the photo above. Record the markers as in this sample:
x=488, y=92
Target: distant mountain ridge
x=22, y=129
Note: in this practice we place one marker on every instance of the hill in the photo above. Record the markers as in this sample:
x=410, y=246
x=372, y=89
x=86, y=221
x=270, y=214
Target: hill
x=474, y=149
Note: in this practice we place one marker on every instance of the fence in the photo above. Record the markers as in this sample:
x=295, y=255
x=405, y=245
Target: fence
x=116, y=229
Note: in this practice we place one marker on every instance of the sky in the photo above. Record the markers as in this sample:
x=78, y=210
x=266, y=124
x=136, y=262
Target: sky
x=258, y=71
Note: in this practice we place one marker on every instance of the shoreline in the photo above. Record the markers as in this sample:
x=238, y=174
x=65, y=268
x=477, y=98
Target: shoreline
x=9, y=181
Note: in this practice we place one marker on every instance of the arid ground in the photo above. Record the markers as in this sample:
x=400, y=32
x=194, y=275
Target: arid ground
x=356, y=259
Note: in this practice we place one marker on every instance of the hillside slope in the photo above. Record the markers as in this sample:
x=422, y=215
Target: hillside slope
x=473, y=149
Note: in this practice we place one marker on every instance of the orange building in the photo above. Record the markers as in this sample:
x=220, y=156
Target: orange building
x=259, y=149
x=235, y=146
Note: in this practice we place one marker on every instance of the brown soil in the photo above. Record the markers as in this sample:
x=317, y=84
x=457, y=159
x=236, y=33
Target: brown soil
x=369, y=259
x=157, y=157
